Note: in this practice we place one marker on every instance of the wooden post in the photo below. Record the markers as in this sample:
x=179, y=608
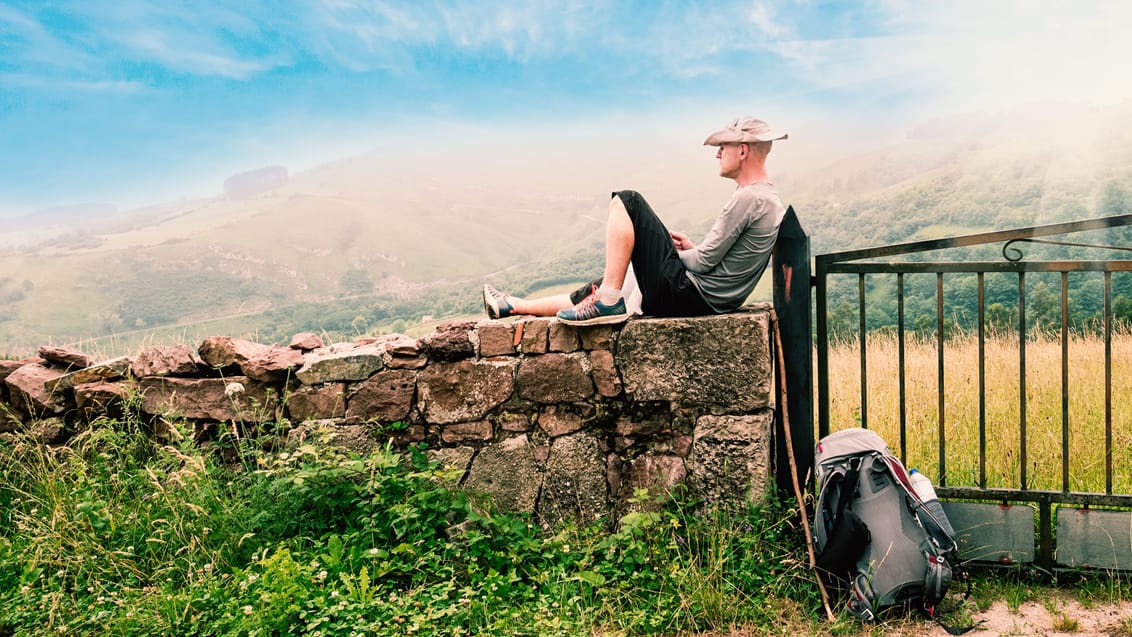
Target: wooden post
x=792, y=306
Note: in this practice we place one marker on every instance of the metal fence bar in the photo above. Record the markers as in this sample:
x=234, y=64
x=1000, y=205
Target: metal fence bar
x=982, y=383
x=1065, y=382
x=864, y=353
x=940, y=384
x=1022, y=380
x=900, y=363
x=1108, y=382
x=821, y=326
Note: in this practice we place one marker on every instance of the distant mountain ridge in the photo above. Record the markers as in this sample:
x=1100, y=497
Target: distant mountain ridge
x=364, y=242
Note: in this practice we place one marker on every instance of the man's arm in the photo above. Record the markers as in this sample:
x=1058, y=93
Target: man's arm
x=681, y=241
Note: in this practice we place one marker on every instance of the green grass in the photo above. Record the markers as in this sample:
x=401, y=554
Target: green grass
x=120, y=535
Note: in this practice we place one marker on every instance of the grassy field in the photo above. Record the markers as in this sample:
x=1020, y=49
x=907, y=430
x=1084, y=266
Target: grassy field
x=1003, y=440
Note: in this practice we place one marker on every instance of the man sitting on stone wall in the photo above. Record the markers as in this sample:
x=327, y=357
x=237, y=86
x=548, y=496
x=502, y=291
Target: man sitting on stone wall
x=671, y=276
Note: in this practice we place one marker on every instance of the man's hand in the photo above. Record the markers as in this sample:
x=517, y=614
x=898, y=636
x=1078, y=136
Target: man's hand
x=681, y=241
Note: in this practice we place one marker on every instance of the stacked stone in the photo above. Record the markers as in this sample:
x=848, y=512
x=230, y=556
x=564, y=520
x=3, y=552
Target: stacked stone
x=560, y=421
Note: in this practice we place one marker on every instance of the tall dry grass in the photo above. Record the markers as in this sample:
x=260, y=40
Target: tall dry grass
x=1003, y=439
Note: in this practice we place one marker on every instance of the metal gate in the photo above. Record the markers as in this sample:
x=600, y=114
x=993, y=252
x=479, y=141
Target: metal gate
x=991, y=367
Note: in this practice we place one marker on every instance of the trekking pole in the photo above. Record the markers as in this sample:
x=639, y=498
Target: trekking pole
x=794, y=466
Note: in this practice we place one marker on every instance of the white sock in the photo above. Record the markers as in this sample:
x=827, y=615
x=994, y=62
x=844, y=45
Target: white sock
x=608, y=295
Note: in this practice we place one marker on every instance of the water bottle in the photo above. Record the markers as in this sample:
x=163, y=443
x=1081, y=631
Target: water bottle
x=922, y=486
x=926, y=492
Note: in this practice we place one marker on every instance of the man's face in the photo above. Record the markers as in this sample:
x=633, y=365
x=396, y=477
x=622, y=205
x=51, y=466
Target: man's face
x=728, y=156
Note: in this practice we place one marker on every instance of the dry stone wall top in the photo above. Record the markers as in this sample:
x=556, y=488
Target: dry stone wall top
x=559, y=421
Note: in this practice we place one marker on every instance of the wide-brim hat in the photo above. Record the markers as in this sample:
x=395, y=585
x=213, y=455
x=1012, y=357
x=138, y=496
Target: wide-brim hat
x=744, y=130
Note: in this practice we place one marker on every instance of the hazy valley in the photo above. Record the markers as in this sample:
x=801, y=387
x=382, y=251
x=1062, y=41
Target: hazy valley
x=375, y=243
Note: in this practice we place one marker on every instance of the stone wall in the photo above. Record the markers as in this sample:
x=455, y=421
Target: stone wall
x=547, y=418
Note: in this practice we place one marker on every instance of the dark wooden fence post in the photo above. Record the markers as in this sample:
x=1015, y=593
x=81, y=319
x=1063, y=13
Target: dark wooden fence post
x=792, y=305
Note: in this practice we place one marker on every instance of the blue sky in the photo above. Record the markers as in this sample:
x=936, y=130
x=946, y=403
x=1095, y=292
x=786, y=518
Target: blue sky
x=139, y=101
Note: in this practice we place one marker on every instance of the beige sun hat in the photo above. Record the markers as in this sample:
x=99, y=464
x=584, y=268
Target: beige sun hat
x=744, y=130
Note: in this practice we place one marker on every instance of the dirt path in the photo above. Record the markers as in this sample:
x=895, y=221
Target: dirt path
x=1060, y=614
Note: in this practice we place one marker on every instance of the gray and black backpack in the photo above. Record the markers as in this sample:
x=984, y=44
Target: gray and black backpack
x=872, y=534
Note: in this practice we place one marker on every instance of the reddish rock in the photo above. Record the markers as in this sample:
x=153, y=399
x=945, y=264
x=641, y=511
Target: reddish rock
x=306, y=341
x=7, y=367
x=541, y=453
x=451, y=342
x=535, y=336
x=99, y=397
x=225, y=351
x=464, y=391
x=606, y=378
x=385, y=397
x=225, y=399
x=495, y=339
x=596, y=337
x=165, y=360
x=514, y=422
x=554, y=378
x=272, y=363
x=318, y=402
x=563, y=337
x=466, y=432
x=556, y=421
x=405, y=362
x=400, y=345
x=27, y=391
x=682, y=445
x=65, y=357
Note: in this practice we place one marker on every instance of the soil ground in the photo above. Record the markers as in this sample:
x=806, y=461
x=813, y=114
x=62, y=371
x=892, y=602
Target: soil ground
x=1059, y=614
x=1050, y=613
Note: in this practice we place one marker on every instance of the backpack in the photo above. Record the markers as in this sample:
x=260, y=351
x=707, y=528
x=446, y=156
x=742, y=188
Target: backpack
x=873, y=534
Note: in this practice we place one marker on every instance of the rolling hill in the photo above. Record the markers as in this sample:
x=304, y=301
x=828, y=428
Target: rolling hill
x=374, y=242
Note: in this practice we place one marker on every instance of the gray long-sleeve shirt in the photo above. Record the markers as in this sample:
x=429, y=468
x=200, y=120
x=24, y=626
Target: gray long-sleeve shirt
x=729, y=262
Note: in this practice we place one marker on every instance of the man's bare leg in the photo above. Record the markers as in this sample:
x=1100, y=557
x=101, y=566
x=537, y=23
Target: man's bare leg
x=619, y=240
x=544, y=306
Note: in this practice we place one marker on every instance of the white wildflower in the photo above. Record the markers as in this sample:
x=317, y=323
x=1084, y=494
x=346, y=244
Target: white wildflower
x=233, y=389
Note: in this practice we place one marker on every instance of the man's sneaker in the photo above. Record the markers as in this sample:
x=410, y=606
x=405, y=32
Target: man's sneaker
x=593, y=312
x=495, y=303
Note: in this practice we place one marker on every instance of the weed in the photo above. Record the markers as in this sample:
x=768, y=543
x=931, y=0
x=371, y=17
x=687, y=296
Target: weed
x=1062, y=623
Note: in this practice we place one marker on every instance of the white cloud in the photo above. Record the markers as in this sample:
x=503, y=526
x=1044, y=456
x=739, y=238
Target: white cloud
x=24, y=39
x=966, y=54
x=92, y=86
x=762, y=16
x=181, y=53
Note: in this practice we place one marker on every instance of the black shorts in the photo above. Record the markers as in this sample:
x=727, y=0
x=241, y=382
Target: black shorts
x=661, y=275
